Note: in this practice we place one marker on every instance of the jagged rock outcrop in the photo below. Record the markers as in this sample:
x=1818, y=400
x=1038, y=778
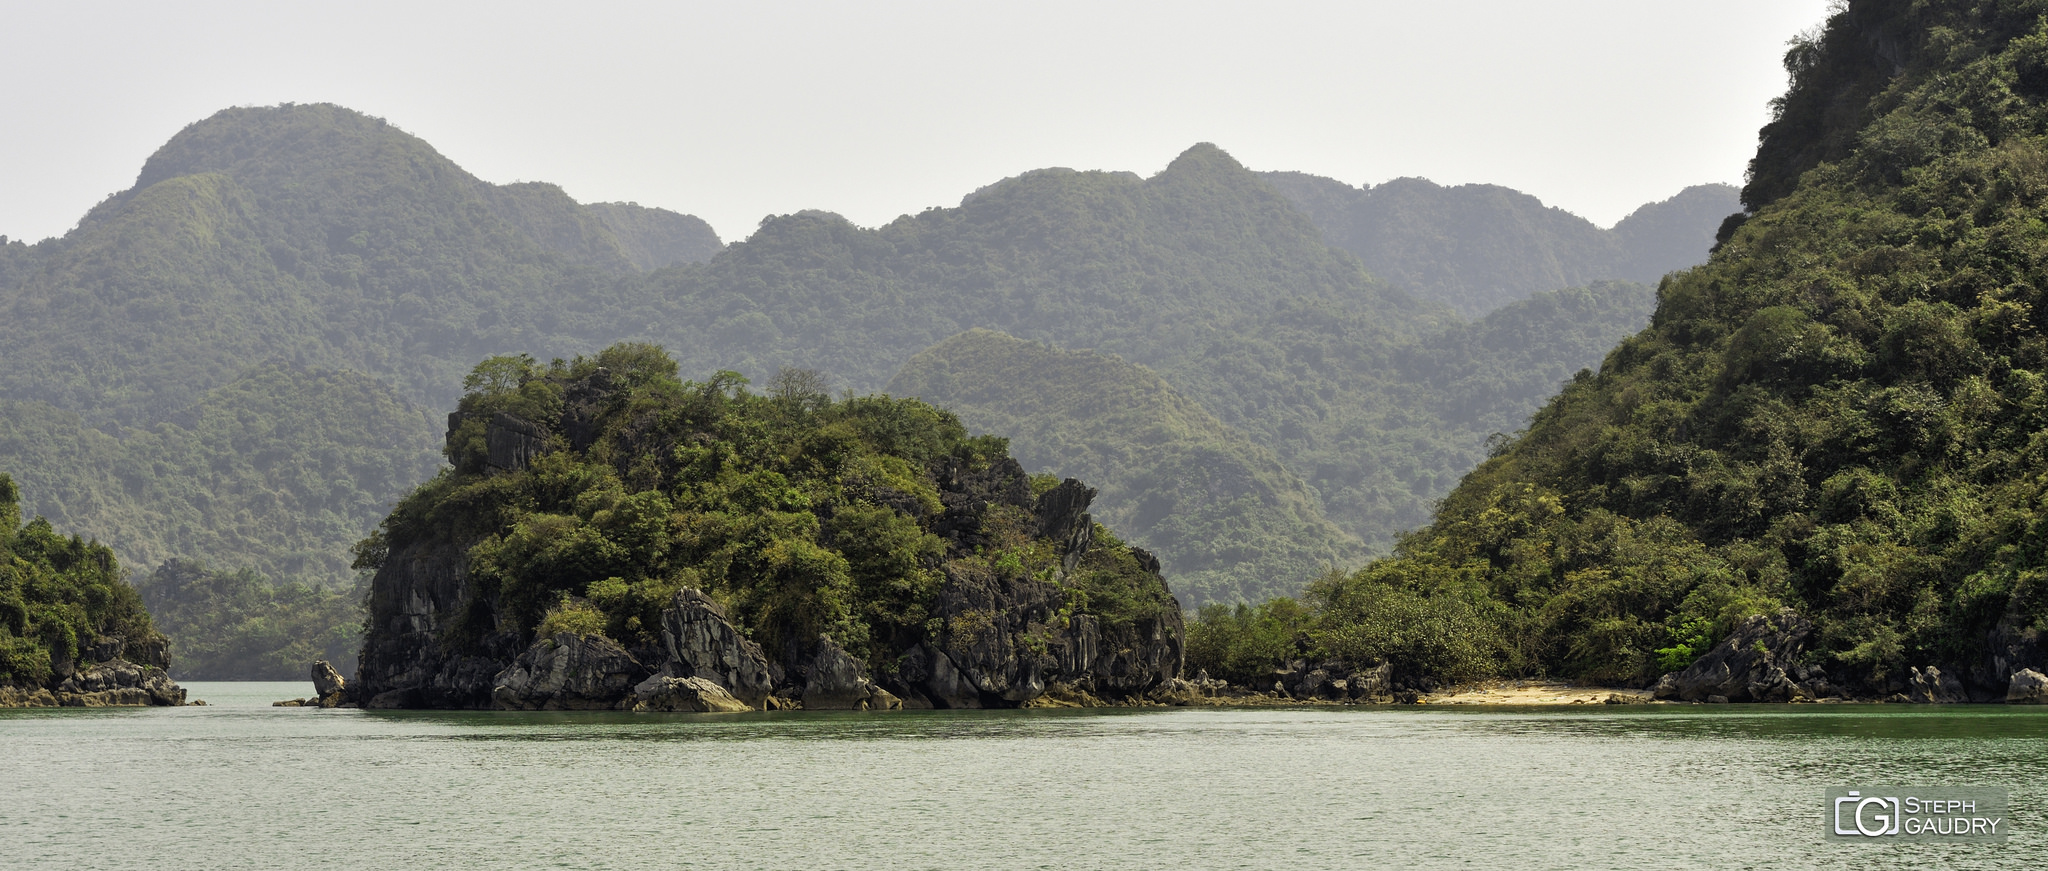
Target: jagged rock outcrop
x=1755, y=663
x=329, y=687
x=1372, y=684
x=1003, y=641
x=118, y=673
x=408, y=660
x=839, y=682
x=1930, y=686
x=702, y=642
x=1062, y=515
x=685, y=695
x=568, y=672
x=512, y=441
x=119, y=682
x=2028, y=687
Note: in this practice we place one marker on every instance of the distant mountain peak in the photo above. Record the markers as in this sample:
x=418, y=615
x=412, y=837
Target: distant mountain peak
x=1204, y=157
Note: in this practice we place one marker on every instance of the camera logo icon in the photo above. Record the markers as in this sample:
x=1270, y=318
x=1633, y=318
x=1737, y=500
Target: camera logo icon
x=1870, y=816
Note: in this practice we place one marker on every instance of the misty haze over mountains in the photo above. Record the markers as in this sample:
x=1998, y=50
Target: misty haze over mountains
x=243, y=359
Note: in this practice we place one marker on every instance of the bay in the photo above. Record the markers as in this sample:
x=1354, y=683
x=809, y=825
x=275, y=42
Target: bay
x=240, y=784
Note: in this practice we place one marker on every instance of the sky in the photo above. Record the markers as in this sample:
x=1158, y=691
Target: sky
x=734, y=111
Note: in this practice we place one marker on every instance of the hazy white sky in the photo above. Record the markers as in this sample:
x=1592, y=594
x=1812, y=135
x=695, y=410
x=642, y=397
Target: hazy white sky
x=732, y=111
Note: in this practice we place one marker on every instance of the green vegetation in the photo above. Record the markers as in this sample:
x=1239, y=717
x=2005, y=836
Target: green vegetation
x=57, y=596
x=1841, y=412
x=1479, y=247
x=1230, y=523
x=277, y=471
x=177, y=367
x=235, y=625
x=802, y=513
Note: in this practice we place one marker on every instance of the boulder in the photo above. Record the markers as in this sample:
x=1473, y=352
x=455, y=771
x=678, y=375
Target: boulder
x=568, y=672
x=1176, y=692
x=1929, y=686
x=702, y=642
x=326, y=681
x=1753, y=664
x=685, y=694
x=329, y=687
x=2028, y=687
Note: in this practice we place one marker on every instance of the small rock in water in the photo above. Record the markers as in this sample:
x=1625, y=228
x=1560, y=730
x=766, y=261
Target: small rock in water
x=2028, y=687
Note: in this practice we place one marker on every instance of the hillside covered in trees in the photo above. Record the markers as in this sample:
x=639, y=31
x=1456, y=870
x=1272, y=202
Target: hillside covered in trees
x=243, y=359
x=1840, y=414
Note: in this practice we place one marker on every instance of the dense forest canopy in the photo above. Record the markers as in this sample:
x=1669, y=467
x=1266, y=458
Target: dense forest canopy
x=1841, y=412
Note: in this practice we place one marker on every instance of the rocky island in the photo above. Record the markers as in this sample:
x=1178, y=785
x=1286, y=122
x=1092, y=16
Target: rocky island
x=609, y=537
x=72, y=632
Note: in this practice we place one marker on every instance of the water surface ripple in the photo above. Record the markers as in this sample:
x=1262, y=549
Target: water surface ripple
x=242, y=785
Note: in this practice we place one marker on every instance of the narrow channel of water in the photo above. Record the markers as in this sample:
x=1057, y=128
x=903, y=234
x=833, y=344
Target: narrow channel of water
x=239, y=784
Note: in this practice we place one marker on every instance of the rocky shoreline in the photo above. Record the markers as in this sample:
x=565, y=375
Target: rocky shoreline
x=119, y=674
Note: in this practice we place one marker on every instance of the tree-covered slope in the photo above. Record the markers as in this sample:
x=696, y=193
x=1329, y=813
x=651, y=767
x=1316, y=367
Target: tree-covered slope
x=1229, y=521
x=312, y=234
x=1841, y=412
x=1382, y=425
x=1478, y=247
x=278, y=471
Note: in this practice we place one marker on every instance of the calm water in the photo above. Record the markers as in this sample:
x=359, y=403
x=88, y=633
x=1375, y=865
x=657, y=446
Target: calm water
x=243, y=785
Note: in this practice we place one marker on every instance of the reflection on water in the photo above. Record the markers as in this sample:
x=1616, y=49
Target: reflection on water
x=241, y=784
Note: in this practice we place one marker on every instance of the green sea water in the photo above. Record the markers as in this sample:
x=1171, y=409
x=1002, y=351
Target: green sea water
x=239, y=784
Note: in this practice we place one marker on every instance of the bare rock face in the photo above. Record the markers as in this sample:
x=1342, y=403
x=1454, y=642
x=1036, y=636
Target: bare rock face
x=2028, y=687
x=1755, y=663
x=329, y=687
x=1062, y=515
x=568, y=672
x=2010, y=648
x=1929, y=686
x=702, y=642
x=685, y=694
x=839, y=682
x=117, y=683
x=1372, y=684
x=512, y=442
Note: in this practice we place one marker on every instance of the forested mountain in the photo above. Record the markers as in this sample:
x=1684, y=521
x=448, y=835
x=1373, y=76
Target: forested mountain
x=1228, y=520
x=279, y=470
x=314, y=235
x=1078, y=259
x=1840, y=414
x=242, y=359
x=1478, y=247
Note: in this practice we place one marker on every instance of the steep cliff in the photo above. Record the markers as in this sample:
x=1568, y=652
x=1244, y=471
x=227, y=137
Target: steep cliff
x=611, y=537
